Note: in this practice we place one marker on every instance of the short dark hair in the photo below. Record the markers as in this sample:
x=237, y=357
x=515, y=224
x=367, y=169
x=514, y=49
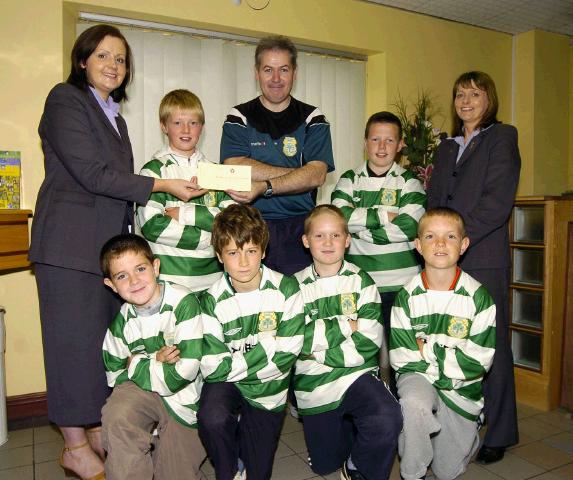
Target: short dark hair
x=484, y=82
x=383, y=117
x=117, y=246
x=275, y=42
x=85, y=45
x=442, y=212
x=242, y=224
x=325, y=208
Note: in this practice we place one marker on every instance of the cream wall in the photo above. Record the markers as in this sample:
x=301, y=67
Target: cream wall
x=543, y=111
x=407, y=52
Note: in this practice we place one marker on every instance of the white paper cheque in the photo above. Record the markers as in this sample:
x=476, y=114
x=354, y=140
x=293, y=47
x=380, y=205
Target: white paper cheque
x=224, y=177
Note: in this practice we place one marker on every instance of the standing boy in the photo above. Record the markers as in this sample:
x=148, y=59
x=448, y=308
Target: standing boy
x=336, y=388
x=287, y=143
x=441, y=344
x=254, y=329
x=151, y=353
x=382, y=203
x=180, y=232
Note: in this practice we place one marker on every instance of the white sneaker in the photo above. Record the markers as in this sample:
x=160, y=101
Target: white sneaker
x=240, y=475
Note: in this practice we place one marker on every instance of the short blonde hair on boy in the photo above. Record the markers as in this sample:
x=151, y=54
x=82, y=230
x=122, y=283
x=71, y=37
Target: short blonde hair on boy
x=327, y=208
x=182, y=99
x=442, y=212
x=242, y=224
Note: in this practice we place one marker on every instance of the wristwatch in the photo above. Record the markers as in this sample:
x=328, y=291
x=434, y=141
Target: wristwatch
x=269, y=191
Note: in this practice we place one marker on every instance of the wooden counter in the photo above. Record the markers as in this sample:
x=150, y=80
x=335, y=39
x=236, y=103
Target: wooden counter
x=14, y=239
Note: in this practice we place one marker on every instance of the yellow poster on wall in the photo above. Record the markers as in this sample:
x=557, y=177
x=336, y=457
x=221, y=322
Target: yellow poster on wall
x=9, y=179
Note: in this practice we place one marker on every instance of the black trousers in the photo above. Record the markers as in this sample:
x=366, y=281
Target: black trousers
x=75, y=311
x=387, y=299
x=286, y=253
x=366, y=426
x=499, y=383
x=253, y=437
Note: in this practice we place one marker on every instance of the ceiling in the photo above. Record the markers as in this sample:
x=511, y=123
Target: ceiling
x=509, y=16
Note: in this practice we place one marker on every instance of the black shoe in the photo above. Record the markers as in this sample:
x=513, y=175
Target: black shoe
x=347, y=474
x=487, y=455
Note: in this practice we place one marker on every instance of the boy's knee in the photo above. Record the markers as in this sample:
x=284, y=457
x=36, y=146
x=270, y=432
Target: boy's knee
x=386, y=427
x=412, y=405
x=395, y=421
x=125, y=415
x=215, y=417
x=114, y=413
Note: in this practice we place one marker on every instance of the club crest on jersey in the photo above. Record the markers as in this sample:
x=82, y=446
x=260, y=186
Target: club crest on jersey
x=388, y=197
x=267, y=321
x=210, y=199
x=348, y=303
x=289, y=146
x=459, y=327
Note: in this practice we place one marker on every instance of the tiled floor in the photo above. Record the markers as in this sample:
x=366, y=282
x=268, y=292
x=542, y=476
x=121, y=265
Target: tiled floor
x=544, y=453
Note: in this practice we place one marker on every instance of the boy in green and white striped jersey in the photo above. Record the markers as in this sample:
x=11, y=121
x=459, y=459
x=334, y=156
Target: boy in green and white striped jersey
x=253, y=332
x=151, y=352
x=382, y=203
x=180, y=232
x=441, y=345
x=335, y=383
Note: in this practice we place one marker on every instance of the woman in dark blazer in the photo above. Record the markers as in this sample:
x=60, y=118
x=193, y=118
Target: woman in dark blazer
x=476, y=173
x=85, y=199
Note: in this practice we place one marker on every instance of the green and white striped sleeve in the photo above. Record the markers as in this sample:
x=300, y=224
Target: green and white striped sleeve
x=160, y=228
x=405, y=355
x=403, y=228
x=116, y=351
x=155, y=376
x=363, y=344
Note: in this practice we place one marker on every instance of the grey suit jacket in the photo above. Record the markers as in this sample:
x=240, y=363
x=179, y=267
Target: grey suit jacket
x=89, y=181
x=481, y=187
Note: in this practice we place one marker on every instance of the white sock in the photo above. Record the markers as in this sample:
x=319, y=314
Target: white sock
x=350, y=465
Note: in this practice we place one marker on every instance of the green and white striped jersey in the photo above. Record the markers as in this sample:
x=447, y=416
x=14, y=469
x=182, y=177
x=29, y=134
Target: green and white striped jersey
x=178, y=322
x=385, y=249
x=253, y=339
x=333, y=356
x=184, y=245
x=458, y=327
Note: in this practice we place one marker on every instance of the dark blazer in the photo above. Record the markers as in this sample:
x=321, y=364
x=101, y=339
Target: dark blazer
x=481, y=187
x=89, y=181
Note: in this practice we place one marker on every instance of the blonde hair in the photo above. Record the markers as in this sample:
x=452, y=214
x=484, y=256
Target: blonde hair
x=182, y=99
x=442, y=212
x=319, y=209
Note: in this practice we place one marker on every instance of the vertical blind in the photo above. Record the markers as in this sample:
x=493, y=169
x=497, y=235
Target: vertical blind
x=221, y=73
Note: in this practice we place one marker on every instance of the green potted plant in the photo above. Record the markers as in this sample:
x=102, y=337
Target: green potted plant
x=421, y=137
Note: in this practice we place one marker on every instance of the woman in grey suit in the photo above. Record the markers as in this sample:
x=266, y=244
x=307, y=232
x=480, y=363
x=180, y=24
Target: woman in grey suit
x=85, y=199
x=476, y=172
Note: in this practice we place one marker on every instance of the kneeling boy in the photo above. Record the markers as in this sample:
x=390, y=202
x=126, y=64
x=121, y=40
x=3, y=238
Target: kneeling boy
x=152, y=352
x=350, y=418
x=442, y=343
x=254, y=326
